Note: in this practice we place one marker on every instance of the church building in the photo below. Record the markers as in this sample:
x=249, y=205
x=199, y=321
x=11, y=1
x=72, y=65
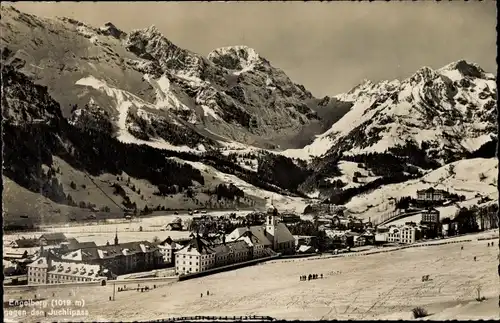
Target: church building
x=272, y=234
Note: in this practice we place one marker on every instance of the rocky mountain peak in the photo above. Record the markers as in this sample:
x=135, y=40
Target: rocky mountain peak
x=109, y=29
x=466, y=69
x=422, y=74
x=149, y=43
x=236, y=58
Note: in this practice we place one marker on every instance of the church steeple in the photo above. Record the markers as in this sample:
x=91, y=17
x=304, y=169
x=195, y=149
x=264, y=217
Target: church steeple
x=271, y=226
x=116, y=237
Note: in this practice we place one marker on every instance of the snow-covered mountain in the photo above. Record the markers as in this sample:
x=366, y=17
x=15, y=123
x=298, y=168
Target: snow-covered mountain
x=149, y=87
x=107, y=102
x=447, y=112
x=428, y=120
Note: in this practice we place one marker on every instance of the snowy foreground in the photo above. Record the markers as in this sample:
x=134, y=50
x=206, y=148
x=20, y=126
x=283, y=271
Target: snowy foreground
x=379, y=286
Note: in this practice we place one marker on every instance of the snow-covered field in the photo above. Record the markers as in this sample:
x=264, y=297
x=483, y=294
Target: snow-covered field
x=380, y=286
x=348, y=170
x=127, y=231
x=471, y=176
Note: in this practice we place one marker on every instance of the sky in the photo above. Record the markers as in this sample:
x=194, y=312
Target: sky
x=329, y=47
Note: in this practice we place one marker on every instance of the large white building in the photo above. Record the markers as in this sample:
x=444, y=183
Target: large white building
x=197, y=256
x=119, y=258
x=431, y=194
x=408, y=234
x=394, y=235
x=45, y=270
x=405, y=234
x=168, y=248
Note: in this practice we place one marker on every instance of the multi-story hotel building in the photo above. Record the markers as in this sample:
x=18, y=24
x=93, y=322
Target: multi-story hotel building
x=46, y=270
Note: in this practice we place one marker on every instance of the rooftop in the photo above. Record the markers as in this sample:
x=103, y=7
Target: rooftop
x=54, y=236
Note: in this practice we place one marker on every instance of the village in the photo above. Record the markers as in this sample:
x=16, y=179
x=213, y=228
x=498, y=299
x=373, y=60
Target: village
x=230, y=240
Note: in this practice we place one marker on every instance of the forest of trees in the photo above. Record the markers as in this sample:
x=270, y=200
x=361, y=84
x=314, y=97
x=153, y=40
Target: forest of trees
x=385, y=164
x=282, y=171
x=467, y=218
x=487, y=150
x=230, y=192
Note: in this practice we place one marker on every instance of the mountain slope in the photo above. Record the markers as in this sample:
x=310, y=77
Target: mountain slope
x=74, y=166
x=426, y=121
x=447, y=112
x=148, y=87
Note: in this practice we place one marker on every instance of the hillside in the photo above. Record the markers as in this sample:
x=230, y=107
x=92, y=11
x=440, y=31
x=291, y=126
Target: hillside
x=73, y=166
x=154, y=91
x=465, y=177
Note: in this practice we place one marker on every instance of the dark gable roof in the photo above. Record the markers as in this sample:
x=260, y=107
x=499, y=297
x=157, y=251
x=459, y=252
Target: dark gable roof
x=55, y=236
x=88, y=244
x=431, y=190
x=201, y=245
x=74, y=244
x=49, y=254
x=132, y=247
x=167, y=241
x=27, y=243
x=90, y=254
